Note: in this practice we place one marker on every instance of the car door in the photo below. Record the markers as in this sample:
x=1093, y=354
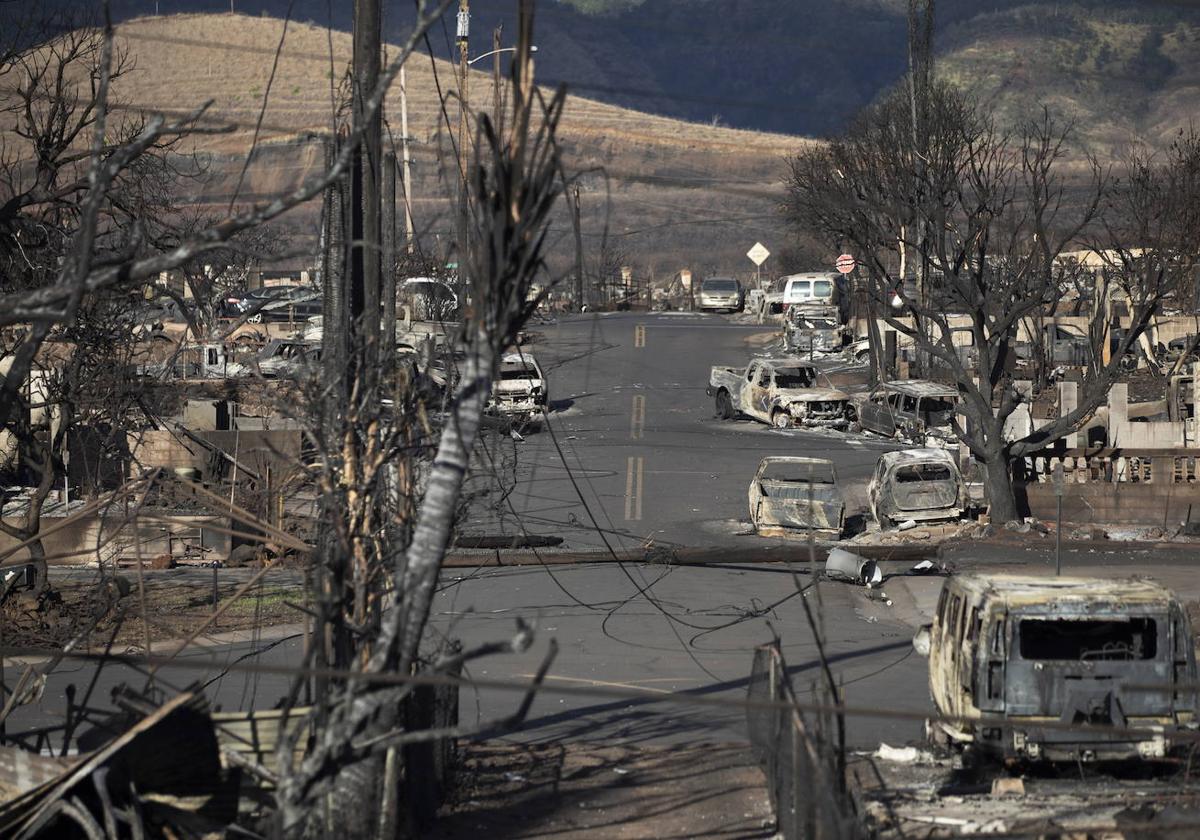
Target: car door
x=882, y=409
x=759, y=398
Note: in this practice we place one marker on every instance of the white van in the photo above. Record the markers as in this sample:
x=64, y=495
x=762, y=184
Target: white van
x=817, y=287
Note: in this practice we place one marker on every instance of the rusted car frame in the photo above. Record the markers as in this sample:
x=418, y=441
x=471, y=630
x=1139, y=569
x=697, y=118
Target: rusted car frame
x=1014, y=657
x=793, y=495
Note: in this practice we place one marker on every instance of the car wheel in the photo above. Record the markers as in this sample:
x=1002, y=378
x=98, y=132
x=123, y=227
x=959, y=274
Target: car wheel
x=781, y=420
x=724, y=406
x=862, y=356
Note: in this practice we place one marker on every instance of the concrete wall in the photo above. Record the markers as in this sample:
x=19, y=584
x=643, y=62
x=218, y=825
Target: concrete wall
x=1124, y=503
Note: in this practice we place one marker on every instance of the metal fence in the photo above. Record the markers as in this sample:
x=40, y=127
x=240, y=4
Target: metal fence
x=800, y=757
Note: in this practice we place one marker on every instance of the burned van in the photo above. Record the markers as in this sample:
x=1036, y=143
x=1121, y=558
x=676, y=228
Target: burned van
x=1057, y=669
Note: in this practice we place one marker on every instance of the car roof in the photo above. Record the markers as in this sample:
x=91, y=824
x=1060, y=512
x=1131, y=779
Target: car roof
x=923, y=455
x=787, y=361
x=517, y=359
x=919, y=388
x=1019, y=590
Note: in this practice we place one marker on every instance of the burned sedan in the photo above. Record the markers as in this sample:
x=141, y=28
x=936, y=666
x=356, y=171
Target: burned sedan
x=1015, y=657
x=519, y=390
x=920, y=485
x=795, y=495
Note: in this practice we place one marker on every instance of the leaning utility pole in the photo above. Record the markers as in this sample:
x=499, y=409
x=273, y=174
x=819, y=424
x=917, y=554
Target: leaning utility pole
x=463, y=38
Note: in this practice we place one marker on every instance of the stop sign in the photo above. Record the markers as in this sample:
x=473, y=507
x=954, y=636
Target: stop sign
x=845, y=263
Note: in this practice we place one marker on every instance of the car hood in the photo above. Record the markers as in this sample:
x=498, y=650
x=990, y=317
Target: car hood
x=516, y=386
x=810, y=394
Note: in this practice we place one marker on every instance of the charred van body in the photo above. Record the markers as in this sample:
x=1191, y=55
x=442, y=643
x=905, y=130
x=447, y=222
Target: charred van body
x=1057, y=669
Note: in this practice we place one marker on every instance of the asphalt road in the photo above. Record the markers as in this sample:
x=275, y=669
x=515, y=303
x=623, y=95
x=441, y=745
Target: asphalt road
x=633, y=446
x=633, y=452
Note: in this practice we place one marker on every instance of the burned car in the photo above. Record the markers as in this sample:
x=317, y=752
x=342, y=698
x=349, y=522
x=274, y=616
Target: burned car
x=1014, y=657
x=795, y=495
x=784, y=392
x=913, y=410
x=807, y=334
x=519, y=390
x=919, y=485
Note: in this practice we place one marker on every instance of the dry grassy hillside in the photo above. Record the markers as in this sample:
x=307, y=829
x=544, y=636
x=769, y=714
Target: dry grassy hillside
x=1123, y=74
x=668, y=180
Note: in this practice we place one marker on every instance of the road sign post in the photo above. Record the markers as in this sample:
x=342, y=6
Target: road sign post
x=758, y=255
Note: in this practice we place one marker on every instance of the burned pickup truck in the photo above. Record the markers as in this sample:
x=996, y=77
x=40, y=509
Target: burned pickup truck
x=917, y=485
x=1057, y=669
x=791, y=495
x=784, y=392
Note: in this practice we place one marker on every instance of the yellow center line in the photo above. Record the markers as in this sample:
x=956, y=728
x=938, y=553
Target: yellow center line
x=639, y=335
x=637, y=422
x=633, y=489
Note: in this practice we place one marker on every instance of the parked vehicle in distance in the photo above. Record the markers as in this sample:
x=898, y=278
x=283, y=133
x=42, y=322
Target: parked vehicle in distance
x=819, y=293
x=921, y=485
x=237, y=304
x=519, y=390
x=720, y=294
x=273, y=303
x=428, y=299
x=784, y=392
x=1066, y=345
x=913, y=410
x=1009, y=654
x=281, y=357
x=792, y=495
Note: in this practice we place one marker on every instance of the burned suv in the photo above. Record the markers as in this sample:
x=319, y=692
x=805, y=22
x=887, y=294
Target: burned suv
x=914, y=410
x=1015, y=657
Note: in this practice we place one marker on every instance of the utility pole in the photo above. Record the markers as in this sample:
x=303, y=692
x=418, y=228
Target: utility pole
x=406, y=168
x=579, y=299
x=365, y=200
x=388, y=337
x=497, y=110
x=463, y=39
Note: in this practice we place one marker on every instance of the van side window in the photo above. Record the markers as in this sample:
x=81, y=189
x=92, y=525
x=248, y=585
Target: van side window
x=973, y=627
x=941, y=607
x=955, y=603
